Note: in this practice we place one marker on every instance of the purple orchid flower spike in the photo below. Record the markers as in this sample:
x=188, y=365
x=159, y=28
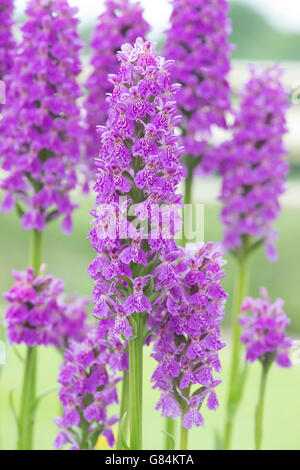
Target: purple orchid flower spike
x=253, y=165
x=264, y=330
x=88, y=390
x=122, y=22
x=40, y=132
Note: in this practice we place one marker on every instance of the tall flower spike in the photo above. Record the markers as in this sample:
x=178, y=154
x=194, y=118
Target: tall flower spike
x=136, y=215
x=264, y=330
x=122, y=22
x=40, y=314
x=7, y=42
x=40, y=133
x=198, y=41
x=253, y=166
x=88, y=389
x=186, y=338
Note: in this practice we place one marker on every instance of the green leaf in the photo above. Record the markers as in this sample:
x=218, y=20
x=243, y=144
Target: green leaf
x=122, y=432
x=104, y=318
x=183, y=404
x=171, y=439
x=149, y=289
x=93, y=438
x=122, y=288
x=128, y=281
x=13, y=408
x=255, y=245
x=52, y=215
x=19, y=209
x=240, y=384
x=198, y=391
x=218, y=440
x=134, y=327
x=150, y=267
x=123, y=336
x=150, y=332
x=45, y=154
x=37, y=185
x=162, y=301
x=43, y=395
x=19, y=356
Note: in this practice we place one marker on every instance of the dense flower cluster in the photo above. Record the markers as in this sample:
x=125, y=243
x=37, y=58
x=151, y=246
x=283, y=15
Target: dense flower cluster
x=253, y=166
x=40, y=133
x=122, y=22
x=264, y=330
x=186, y=326
x=136, y=213
x=39, y=313
x=139, y=269
x=198, y=41
x=88, y=388
x=7, y=42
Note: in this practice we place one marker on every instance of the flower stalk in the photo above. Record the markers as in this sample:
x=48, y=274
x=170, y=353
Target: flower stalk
x=170, y=433
x=26, y=421
x=184, y=438
x=237, y=375
x=264, y=335
x=259, y=414
x=136, y=383
x=123, y=424
x=191, y=164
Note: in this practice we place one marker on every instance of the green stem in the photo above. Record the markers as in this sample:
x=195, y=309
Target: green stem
x=27, y=401
x=123, y=423
x=191, y=164
x=188, y=187
x=170, y=433
x=236, y=383
x=187, y=200
x=259, y=415
x=26, y=419
x=136, y=383
x=184, y=438
x=36, y=250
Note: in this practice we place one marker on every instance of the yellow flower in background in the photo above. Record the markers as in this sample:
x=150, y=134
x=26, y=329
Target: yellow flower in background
x=102, y=443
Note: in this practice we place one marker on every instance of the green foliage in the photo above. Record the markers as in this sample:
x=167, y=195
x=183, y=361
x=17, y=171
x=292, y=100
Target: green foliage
x=256, y=39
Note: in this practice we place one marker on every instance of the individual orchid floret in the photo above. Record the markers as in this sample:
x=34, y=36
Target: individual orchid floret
x=186, y=334
x=88, y=390
x=40, y=132
x=137, y=301
x=264, y=330
x=253, y=165
x=198, y=42
x=122, y=22
x=40, y=314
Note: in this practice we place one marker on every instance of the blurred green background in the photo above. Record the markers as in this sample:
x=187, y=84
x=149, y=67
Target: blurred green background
x=254, y=33
x=256, y=39
x=254, y=36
